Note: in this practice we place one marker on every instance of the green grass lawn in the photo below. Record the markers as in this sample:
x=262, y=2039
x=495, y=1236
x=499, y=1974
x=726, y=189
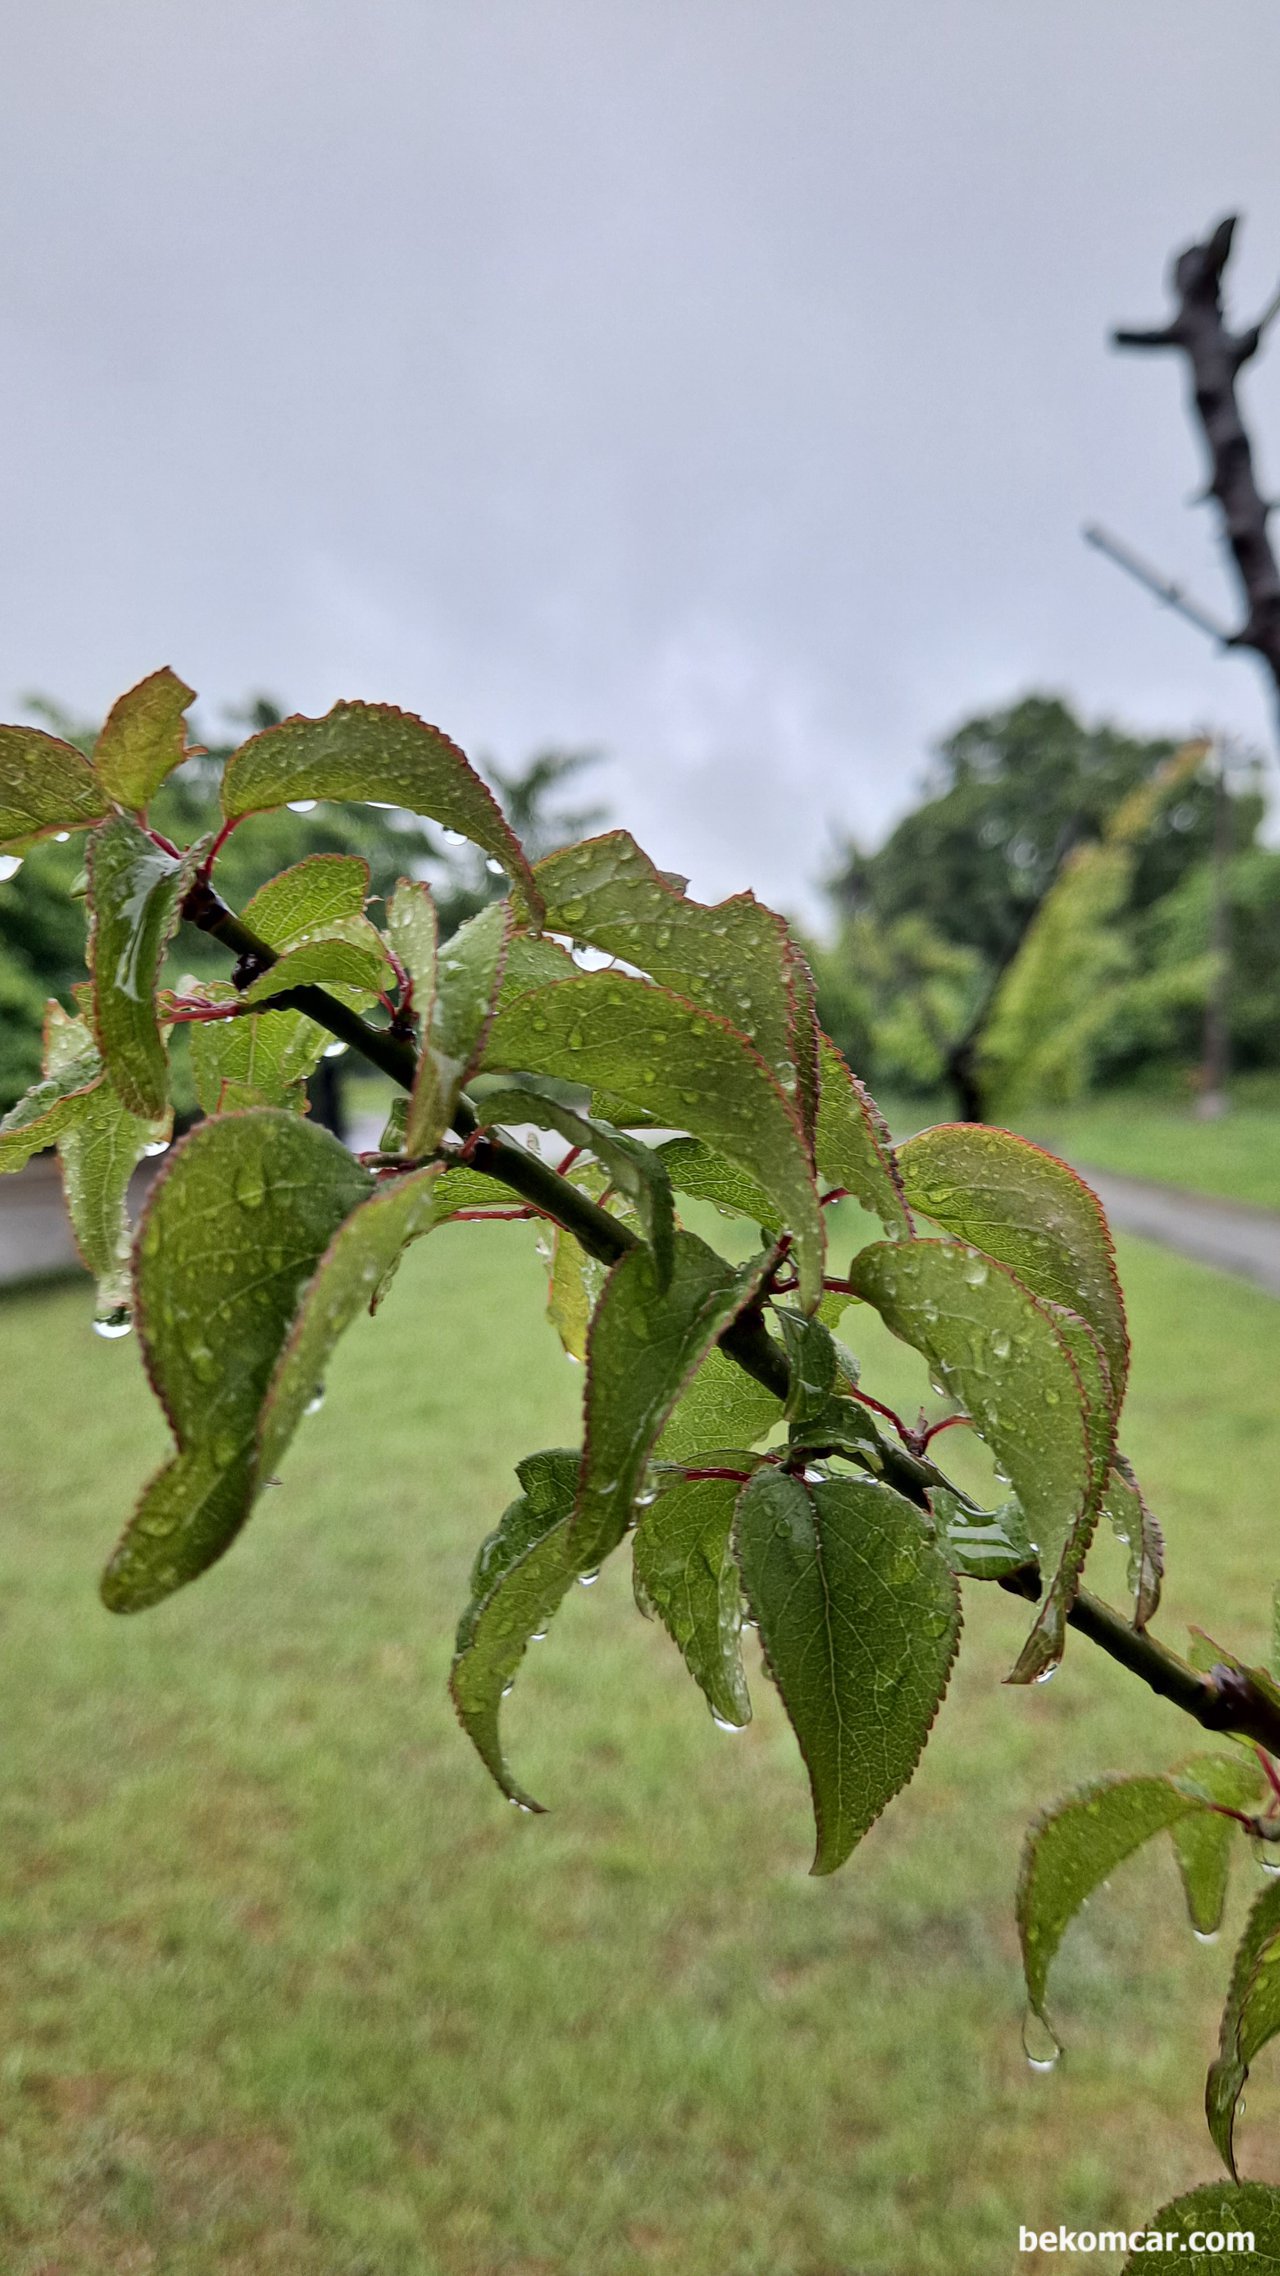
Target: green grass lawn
x=288, y=1990
x=1237, y=1156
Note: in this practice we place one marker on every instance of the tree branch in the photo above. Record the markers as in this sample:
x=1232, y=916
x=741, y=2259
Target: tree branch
x=1215, y=356
x=1226, y=1700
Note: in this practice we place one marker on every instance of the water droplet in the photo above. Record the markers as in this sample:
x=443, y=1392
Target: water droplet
x=663, y=936
x=1046, y=1673
x=721, y=1724
x=315, y=1402
x=248, y=1187
x=975, y=1273
x=538, y=1636
x=1205, y=1935
x=1000, y=1343
x=334, y=1050
x=573, y=1359
x=508, y=1688
x=202, y=1362
x=157, y=1147
x=302, y=805
x=576, y=1039
x=224, y=1450
x=1267, y=1854
x=588, y=1580
x=1052, y=1398
x=60, y=837
x=494, y=867
x=10, y=864
x=454, y=837
x=649, y=1076
x=543, y=1249
x=538, y=1023
x=113, y=1324
x=1038, y=2043
x=646, y=1497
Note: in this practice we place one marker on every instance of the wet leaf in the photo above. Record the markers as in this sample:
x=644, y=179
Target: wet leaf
x=98, y=1153
x=362, y=751
x=1000, y=1355
x=1022, y=1206
x=636, y=1170
x=45, y=785
x=853, y=1147
x=686, y=1574
x=859, y=1616
x=698, y=1170
x=519, y=1579
x=353, y=968
x=348, y=1279
x=1250, y=2018
x=468, y=977
x=235, y=1227
x=1072, y=1848
x=144, y=738
x=136, y=893
x=722, y=1406
x=259, y=1061
x=1125, y=1508
x=811, y=1356
x=311, y=897
x=531, y=962
x=657, y=1055
x=1217, y=2211
x=1205, y=1842
x=982, y=1545
x=48, y=1109
x=646, y=1343
x=734, y=958
x=413, y=930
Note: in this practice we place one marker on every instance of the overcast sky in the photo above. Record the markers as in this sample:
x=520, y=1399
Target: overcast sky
x=721, y=382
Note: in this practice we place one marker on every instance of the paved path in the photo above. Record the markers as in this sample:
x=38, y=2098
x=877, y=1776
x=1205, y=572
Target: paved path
x=1229, y=1234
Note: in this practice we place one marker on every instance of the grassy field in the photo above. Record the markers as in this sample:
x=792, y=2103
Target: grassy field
x=288, y=1990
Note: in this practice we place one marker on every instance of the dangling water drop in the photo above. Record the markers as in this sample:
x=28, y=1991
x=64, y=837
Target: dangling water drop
x=315, y=1402
x=1267, y=1853
x=113, y=1324
x=454, y=837
x=1046, y=1673
x=334, y=1050
x=494, y=867
x=1038, y=2043
x=60, y=837
x=302, y=805
x=10, y=864
x=588, y=1580
x=1205, y=1935
x=721, y=1724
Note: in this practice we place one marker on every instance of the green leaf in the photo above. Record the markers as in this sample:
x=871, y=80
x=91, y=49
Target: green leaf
x=531, y=962
x=853, y=1147
x=45, y=786
x=686, y=1574
x=136, y=893
x=575, y=1285
x=696, y=1169
x=662, y=1058
x=1205, y=1842
x=237, y=1223
x=1071, y=1849
x=723, y=1406
x=520, y=1577
x=413, y=930
x=806, y=1038
x=637, y=1170
x=324, y=892
x=1217, y=2211
x=1022, y=1206
x=1125, y=1508
x=143, y=739
x=349, y=1278
x=840, y=1425
x=811, y=1356
x=98, y=1151
x=372, y=751
x=735, y=958
x=1250, y=2018
x=258, y=1060
x=350, y=967
x=981, y=1545
x=48, y=1109
x=646, y=1343
x=859, y=1616
x=997, y=1351
x=455, y=1023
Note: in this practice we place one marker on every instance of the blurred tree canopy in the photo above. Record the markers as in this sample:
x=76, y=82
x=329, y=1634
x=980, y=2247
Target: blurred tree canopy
x=42, y=922
x=984, y=946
